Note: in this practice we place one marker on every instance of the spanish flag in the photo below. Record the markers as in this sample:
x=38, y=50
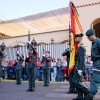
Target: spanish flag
x=75, y=28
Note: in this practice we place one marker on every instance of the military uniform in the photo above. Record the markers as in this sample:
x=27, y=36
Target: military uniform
x=46, y=69
x=72, y=87
x=95, y=56
x=1, y=57
x=18, y=69
x=31, y=67
x=79, y=67
x=2, y=48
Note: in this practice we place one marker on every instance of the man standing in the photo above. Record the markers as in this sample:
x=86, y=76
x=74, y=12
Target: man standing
x=31, y=64
x=72, y=87
x=2, y=48
x=95, y=57
x=79, y=67
x=46, y=61
x=18, y=68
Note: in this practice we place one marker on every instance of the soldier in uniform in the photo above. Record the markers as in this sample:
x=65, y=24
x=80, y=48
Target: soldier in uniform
x=72, y=87
x=95, y=57
x=46, y=60
x=18, y=68
x=2, y=48
x=31, y=64
x=79, y=68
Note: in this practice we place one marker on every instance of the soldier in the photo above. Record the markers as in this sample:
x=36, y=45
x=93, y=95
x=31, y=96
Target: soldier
x=46, y=60
x=18, y=68
x=95, y=57
x=79, y=68
x=31, y=65
x=72, y=87
x=2, y=48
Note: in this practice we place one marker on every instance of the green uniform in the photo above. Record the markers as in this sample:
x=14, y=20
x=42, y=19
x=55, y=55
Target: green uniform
x=0, y=72
x=79, y=65
x=18, y=70
x=95, y=55
x=18, y=74
x=46, y=70
x=1, y=57
x=71, y=84
x=31, y=67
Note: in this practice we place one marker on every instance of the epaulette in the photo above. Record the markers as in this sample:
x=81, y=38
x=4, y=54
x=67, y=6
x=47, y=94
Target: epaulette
x=82, y=45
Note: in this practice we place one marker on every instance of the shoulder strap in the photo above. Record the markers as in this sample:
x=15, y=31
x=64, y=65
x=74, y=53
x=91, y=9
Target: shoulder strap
x=82, y=45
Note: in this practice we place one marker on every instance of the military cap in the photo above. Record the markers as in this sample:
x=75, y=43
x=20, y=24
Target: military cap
x=47, y=52
x=79, y=35
x=90, y=32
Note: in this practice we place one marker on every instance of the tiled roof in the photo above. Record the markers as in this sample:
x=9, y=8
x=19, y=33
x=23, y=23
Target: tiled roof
x=88, y=5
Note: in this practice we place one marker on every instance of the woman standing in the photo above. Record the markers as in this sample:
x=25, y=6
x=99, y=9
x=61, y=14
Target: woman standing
x=54, y=70
x=59, y=70
x=64, y=64
x=38, y=63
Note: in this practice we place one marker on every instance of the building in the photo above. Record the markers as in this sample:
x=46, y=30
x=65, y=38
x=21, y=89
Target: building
x=52, y=24
x=89, y=17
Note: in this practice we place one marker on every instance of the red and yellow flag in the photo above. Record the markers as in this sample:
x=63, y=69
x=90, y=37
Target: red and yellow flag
x=75, y=28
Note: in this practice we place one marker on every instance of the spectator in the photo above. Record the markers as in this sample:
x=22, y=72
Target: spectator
x=38, y=69
x=54, y=70
x=64, y=64
x=59, y=70
x=88, y=70
x=3, y=69
x=10, y=63
x=10, y=69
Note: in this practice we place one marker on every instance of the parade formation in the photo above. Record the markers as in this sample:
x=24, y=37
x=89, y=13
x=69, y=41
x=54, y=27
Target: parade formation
x=75, y=59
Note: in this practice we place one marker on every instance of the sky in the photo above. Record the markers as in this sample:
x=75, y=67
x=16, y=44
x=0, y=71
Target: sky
x=12, y=9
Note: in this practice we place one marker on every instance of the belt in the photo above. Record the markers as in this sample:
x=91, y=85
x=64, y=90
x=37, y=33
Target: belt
x=95, y=70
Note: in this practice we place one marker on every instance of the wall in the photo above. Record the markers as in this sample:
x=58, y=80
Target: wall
x=58, y=36
x=87, y=15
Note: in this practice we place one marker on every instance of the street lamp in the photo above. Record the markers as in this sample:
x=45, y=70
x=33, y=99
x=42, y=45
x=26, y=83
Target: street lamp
x=52, y=40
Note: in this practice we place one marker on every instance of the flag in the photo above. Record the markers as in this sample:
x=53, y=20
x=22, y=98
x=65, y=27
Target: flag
x=75, y=28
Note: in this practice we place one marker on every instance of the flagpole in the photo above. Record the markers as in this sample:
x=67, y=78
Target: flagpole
x=69, y=35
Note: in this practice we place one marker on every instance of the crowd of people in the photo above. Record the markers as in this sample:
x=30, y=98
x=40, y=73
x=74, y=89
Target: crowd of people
x=58, y=71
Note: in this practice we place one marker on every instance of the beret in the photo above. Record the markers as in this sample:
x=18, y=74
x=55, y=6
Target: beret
x=90, y=32
x=47, y=52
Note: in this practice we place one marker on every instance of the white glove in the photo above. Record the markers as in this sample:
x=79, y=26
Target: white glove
x=29, y=42
x=17, y=52
x=18, y=58
x=27, y=56
x=43, y=55
x=80, y=72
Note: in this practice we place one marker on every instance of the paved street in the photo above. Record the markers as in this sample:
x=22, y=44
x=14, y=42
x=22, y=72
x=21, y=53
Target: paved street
x=56, y=91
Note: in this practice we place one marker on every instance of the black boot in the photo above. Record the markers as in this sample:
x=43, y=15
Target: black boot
x=88, y=97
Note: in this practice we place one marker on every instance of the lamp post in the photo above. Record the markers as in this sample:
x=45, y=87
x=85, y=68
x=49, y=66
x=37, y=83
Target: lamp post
x=52, y=40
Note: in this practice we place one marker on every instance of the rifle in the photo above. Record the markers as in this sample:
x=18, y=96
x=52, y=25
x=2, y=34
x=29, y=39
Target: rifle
x=32, y=45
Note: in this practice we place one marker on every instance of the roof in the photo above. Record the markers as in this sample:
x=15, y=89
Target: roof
x=85, y=3
x=54, y=20
x=88, y=5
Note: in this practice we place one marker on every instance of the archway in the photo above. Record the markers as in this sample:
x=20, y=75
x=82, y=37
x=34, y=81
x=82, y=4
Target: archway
x=96, y=26
x=41, y=43
x=17, y=46
x=64, y=41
